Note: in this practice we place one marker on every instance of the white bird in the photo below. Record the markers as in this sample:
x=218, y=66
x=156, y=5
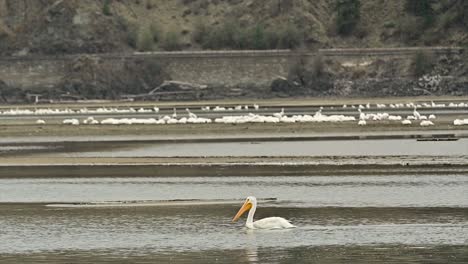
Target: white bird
x=406, y=122
x=426, y=123
x=250, y=205
x=73, y=122
x=190, y=114
x=174, y=115
x=362, y=122
x=460, y=122
x=362, y=116
x=416, y=114
x=280, y=114
x=40, y=122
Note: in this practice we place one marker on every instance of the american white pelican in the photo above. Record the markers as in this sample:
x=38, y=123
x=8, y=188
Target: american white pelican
x=406, y=122
x=190, y=114
x=280, y=114
x=250, y=205
x=416, y=114
x=73, y=122
x=426, y=123
x=460, y=122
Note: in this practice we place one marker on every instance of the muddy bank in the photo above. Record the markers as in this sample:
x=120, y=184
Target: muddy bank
x=215, y=130
x=213, y=170
x=52, y=165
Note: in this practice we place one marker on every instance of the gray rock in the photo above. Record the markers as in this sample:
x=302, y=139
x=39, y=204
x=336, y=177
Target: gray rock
x=281, y=85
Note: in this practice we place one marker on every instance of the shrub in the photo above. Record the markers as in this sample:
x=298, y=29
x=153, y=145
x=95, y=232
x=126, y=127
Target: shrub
x=289, y=37
x=389, y=24
x=456, y=14
x=200, y=31
x=258, y=38
x=132, y=35
x=347, y=15
x=241, y=39
x=212, y=39
x=231, y=35
x=106, y=8
x=171, y=41
x=155, y=31
x=272, y=39
x=145, y=40
x=149, y=4
x=410, y=28
x=422, y=63
x=228, y=35
x=421, y=8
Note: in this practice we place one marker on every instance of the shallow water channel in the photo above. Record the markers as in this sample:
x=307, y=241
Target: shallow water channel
x=351, y=219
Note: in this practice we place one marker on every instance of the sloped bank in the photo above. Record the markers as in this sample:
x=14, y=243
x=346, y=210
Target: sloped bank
x=234, y=74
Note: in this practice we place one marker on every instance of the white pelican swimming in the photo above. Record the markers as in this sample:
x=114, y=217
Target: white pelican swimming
x=250, y=205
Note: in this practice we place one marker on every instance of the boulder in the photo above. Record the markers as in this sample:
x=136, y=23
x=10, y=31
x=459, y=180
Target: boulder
x=281, y=85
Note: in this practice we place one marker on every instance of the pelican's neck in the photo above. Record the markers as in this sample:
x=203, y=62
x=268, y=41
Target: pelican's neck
x=251, y=214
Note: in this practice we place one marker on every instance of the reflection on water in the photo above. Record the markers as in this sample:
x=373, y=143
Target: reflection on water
x=387, y=219
x=329, y=255
x=193, y=231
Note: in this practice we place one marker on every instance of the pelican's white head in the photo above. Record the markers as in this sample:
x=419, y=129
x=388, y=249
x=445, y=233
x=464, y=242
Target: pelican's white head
x=250, y=202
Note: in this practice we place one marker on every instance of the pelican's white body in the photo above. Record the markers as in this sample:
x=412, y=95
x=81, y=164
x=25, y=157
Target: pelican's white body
x=270, y=223
x=265, y=223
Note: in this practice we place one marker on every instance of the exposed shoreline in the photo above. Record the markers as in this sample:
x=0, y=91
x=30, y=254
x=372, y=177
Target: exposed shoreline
x=30, y=167
x=32, y=163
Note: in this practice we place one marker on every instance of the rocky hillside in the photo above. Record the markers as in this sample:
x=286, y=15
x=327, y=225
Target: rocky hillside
x=94, y=26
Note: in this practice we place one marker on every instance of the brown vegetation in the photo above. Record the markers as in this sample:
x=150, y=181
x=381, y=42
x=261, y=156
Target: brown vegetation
x=87, y=26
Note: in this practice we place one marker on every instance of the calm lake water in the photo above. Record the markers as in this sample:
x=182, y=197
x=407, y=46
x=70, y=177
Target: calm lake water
x=368, y=219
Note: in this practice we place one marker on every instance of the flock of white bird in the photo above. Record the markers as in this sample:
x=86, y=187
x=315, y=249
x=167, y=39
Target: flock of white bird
x=115, y=110
x=280, y=117
x=423, y=120
x=194, y=119
x=432, y=104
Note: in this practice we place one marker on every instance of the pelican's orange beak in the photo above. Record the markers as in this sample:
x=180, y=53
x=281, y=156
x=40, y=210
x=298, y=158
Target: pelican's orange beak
x=246, y=207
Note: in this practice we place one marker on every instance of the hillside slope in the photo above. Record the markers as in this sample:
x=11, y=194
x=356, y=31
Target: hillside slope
x=89, y=26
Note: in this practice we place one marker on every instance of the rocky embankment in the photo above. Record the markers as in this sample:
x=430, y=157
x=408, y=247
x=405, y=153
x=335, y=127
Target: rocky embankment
x=88, y=77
